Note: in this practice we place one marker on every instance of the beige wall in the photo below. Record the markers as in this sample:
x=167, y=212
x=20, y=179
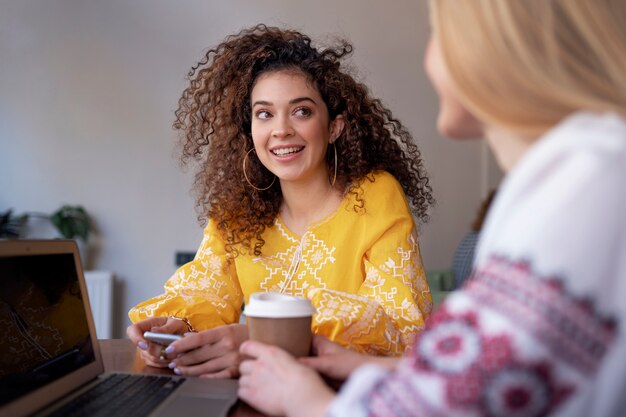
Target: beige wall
x=87, y=93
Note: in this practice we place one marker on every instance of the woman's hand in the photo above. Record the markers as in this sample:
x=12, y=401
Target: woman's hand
x=338, y=362
x=276, y=384
x=153, y=354
x=212, y=353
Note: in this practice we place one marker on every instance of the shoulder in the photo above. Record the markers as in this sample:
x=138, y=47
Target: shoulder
x=381, y=184
x=572, y=171
x=562, y=208
x=381, y=194
x=583, y=157
x=213, y=234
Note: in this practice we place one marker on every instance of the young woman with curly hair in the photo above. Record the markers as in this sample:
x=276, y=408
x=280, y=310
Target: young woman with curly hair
x=308, y=184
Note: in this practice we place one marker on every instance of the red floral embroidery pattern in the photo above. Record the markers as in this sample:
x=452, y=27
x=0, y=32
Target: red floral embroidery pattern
x=489, y=376
x=473, y=368
x=569, y=327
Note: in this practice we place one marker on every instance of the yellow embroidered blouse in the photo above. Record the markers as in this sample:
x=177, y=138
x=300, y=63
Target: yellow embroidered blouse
x=362, y=271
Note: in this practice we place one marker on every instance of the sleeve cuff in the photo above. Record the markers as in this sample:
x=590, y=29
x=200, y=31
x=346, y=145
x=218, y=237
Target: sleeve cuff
x=352, y=398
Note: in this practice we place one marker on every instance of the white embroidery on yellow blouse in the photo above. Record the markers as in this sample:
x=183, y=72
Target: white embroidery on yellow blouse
x=185, y=286
x=359, y=314
x=347, y=308
x=407, y=271
x=309, y=255
x=306, y=257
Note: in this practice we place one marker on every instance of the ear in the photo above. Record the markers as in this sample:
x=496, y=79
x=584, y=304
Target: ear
x=336, y=128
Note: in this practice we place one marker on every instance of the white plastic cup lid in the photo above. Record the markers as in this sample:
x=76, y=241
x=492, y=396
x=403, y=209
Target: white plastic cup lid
x=275, y=305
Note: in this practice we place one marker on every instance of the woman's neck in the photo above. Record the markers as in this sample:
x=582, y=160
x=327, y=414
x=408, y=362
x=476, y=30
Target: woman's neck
x=508, y=148
x=307, y=202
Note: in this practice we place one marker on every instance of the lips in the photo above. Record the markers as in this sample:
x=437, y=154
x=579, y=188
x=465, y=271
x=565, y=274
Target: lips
x=287, y=151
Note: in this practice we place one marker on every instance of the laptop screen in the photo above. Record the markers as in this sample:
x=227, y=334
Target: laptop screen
x=43, y=323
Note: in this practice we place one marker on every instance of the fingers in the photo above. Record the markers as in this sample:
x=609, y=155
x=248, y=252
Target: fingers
x=253, y=382
x=276, y=384
x=227, y=337
x=153, y=361
x=208, y=344
x=323, y=346
x=264, y=354
x=323, y=364
x=255, y=349
x=246, y=389
x=199, y=355
x=223, y=365
x=156, y=350
x=330, y=366
x=318, y=341
x=190, y=342
x=211, y=353
x=193, y=357
x=225, y=373
x=135, y=331
x=172, y=326
x=334, y=361
x=246, y=367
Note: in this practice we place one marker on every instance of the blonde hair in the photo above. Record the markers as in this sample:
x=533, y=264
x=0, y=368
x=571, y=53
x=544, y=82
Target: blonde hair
x=526, y=64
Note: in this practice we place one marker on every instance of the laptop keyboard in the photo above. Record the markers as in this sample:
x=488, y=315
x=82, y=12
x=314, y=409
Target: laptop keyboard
x=121, y=395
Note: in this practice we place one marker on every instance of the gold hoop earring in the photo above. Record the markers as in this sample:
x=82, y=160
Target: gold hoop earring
x=248, y=179
x=332, y=183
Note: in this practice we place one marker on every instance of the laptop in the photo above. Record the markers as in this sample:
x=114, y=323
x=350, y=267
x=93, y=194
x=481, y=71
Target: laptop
x=49, y=353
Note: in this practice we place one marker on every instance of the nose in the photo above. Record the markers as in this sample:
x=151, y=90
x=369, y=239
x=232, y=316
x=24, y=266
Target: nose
x=282, y=128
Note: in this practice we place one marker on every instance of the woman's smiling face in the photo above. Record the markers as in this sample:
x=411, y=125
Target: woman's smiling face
x=290, y=126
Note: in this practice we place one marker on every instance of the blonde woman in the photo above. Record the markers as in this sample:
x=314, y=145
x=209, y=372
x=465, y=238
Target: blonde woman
x=539, y=330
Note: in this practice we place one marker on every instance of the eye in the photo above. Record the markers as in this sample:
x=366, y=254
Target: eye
x=303, y=112
x=262, y=114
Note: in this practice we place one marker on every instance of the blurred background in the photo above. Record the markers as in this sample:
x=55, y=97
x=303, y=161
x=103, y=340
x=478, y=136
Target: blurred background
x=87, y=94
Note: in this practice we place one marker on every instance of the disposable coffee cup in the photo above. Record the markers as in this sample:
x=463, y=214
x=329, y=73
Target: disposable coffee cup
x=280, y=320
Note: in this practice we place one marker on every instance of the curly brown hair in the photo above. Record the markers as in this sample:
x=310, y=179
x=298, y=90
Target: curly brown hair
x=214, y=117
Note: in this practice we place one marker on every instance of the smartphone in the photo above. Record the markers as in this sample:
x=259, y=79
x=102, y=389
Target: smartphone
x=161, y=338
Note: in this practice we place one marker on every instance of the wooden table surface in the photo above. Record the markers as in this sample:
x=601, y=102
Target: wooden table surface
x=121, y=355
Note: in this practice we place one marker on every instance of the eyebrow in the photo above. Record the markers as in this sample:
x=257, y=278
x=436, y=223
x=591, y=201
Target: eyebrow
x=293, y=101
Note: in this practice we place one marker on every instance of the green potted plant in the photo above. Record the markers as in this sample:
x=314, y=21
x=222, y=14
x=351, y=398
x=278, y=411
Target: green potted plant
x=11, y=226
x=72, y=222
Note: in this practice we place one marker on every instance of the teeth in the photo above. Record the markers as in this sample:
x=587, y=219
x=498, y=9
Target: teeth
x=287, y=151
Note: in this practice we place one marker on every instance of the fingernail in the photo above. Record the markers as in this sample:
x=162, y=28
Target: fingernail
x=172, y=365
x=169, y=350
x=187, y=334
x=142, y=345
x=177, y=371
